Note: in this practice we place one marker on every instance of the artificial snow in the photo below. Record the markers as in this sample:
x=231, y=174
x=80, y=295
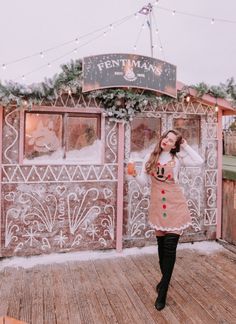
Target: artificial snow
x=206, y=247
x=87, y=155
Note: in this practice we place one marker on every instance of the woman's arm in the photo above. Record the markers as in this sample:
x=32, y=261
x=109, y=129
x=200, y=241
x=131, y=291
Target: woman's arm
x=189, y=157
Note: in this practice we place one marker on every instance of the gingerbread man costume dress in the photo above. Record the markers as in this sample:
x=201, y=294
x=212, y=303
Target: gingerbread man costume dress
x=168, y=207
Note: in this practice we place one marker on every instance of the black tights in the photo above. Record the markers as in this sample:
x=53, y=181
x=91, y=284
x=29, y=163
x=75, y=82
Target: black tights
x=167, y=246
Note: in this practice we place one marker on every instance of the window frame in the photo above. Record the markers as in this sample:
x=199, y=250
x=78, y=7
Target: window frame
x=72, y=112
x=187, y=117
x=158, y=121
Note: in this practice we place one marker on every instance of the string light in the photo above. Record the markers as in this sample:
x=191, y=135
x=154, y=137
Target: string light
x=216, y=106
x=4, y=66
x=197, y=16
x=117, y=22
x=62, y=56
x=140, y=32
x=76, y=41
x=158, y=35
x=49, y=65
x=110, y=27
x=187, y=99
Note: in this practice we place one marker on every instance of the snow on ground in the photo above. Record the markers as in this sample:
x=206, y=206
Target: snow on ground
x=206, y=247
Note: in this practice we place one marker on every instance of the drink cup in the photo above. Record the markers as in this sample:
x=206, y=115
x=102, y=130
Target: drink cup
x=131, y=168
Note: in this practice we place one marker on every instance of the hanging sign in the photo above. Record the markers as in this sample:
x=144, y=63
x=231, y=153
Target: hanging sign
x=129, y=70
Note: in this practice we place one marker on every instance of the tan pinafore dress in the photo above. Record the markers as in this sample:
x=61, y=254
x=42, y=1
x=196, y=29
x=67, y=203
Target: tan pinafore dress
x=168, y=207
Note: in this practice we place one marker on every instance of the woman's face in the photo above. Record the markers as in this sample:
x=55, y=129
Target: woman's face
x=168, y=142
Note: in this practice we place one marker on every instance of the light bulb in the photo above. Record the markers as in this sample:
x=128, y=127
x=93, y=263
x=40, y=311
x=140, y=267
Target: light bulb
x=187, y=98
x=41, y=55
x=173, y=12
x=212, y=21
x=4, y=66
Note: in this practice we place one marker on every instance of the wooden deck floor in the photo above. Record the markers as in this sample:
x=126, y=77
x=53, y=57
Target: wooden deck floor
x=122, y=290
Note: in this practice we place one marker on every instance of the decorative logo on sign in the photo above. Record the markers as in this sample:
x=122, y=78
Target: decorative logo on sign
x=122, y=70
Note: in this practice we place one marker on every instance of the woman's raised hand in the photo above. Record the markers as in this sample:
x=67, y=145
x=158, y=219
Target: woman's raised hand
x=184, y=142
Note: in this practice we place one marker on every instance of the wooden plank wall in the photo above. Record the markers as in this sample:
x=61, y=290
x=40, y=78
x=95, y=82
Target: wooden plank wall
x=229, y=211
x=230, y=143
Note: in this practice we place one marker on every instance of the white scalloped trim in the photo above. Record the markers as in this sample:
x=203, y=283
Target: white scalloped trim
x=168, y=229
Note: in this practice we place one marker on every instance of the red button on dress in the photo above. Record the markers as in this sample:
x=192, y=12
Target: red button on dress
x=164, y=206
x=163, y=192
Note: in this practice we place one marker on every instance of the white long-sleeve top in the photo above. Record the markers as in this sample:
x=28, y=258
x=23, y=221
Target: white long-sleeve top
x=186, y=157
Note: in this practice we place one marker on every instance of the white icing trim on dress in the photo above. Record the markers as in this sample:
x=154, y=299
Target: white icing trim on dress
x=168, y=229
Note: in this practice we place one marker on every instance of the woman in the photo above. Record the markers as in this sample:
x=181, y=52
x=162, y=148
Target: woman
x=168, y=214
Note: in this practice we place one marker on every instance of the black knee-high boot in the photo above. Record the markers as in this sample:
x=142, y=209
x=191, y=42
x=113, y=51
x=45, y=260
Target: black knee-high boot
x=169, y=256
x=160, y=243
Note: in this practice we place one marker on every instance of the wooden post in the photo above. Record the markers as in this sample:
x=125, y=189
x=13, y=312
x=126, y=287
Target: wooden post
x=1, y=116
x=120, y=187
x=219, y=177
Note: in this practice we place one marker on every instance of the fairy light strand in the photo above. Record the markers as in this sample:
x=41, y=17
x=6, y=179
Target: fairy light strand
x=210, y=19
x=106, y=29
x=140, y=31
x=49, y=64
x=77, y=38
x=158, y=35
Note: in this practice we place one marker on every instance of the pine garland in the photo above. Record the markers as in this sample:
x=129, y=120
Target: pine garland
x=226, y=91
x=123, y=104
x=120, y=104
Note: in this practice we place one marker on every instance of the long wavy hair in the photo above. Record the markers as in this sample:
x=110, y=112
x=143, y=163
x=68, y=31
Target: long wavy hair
x=157, y=150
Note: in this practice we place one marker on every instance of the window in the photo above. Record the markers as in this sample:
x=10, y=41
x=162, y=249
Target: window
x=60, y=137
x=144, y=135
x=190, y=129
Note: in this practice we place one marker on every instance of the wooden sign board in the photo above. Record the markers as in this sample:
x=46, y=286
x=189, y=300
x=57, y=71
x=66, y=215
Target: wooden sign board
x=129, y=70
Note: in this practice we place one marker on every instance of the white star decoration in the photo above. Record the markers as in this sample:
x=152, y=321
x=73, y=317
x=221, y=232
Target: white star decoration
x=31, y=236
x=61, y=239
